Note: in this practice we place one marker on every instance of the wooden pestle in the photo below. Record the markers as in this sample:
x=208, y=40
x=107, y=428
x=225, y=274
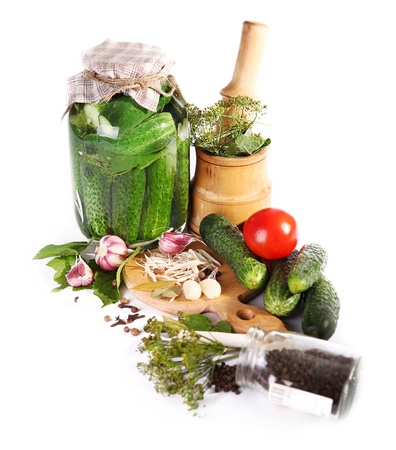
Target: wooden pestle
x=248, y=61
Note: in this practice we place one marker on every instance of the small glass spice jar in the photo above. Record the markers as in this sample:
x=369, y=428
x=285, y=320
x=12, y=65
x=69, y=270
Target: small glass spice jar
x=300, y=372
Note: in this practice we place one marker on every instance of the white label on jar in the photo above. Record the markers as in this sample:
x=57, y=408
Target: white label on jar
x=300, y=400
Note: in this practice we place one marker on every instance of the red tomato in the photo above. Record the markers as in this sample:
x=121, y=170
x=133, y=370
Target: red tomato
x=271, y=233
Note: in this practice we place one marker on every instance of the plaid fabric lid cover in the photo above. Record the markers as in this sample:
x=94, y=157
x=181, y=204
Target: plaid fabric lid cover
x=120, y=60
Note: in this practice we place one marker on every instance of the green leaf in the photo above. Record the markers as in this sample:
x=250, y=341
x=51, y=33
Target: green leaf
x=223, y=326
x=105, y=289
x=120, y=164
x=201, y=322
x=198, y=322
x=122, y=265
x=249, y=144
x=52, y=250
x=62, y=265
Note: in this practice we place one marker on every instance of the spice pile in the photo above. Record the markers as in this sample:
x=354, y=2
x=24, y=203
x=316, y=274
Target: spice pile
x=224, y=378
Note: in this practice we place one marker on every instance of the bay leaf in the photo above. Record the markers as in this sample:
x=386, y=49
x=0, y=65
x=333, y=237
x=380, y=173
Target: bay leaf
x=151, y=285
x=167, y=292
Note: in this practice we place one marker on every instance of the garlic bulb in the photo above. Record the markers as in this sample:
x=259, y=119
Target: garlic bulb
x=110, y=252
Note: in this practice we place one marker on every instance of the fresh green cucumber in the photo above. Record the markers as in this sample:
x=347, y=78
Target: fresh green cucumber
x=127, y=197
x=96, y=200
x=223, y=236
x=157, y=203
x=307, y=267
x=181, y=192
x=182, y=176
x=321, y=309
x=150, y=136
x=278, y=300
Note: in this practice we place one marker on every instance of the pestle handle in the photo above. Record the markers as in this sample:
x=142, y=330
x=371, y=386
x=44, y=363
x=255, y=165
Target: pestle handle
x=248, y=61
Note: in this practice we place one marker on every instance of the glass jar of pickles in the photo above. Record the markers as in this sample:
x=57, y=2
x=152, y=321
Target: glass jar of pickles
x=129, y=145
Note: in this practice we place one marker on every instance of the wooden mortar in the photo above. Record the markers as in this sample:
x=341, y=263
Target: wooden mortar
x=234, y=187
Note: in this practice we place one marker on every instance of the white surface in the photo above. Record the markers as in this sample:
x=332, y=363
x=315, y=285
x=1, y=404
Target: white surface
x=68, y=380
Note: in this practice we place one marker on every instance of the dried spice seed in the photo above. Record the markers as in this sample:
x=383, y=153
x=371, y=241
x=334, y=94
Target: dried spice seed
x=118, y=321
x=135, y=332
x=131, y=307
x=133, y=317
x=107, y=318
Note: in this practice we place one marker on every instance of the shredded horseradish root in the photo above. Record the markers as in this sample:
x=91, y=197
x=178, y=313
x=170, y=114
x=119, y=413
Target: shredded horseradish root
x=183, y=266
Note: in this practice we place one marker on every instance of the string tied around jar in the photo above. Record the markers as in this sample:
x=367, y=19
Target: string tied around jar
x=118, y=85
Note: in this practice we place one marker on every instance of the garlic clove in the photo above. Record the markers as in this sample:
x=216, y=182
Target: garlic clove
x=192, y=290
x=210, y=287
x=173, y=242
x=80, y=274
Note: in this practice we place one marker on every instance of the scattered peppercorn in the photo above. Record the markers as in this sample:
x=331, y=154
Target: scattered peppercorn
x=107, y=318
x=223, y=379
x=135, y=332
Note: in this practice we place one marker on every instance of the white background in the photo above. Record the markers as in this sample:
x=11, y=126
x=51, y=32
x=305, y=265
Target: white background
x=68, y=380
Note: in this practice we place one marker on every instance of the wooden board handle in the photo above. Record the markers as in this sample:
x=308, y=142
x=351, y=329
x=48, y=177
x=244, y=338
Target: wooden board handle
x=248, y=61
x=241, y=317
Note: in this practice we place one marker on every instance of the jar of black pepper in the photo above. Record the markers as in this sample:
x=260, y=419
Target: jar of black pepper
x=300, y=372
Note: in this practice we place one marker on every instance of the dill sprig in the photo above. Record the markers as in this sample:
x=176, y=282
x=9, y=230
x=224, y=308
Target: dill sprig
x=225, y=128
x=180, y=362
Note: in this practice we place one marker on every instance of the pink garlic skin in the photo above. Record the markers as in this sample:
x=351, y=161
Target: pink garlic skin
x=80, y=274
x=173, y=242
x=110, y=252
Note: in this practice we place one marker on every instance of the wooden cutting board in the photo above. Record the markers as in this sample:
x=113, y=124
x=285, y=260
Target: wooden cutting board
x=230, y=306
